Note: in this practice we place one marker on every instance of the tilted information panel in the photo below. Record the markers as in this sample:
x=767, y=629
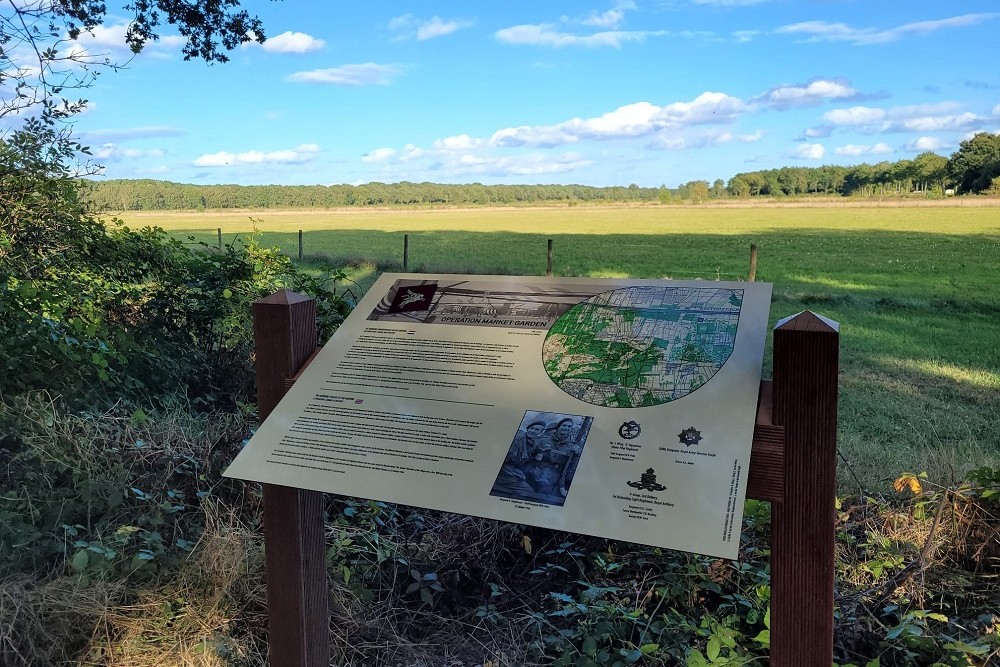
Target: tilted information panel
x=612, y=407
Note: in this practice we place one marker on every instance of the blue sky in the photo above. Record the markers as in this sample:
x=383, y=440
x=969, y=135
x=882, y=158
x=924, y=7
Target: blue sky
x=600, y=93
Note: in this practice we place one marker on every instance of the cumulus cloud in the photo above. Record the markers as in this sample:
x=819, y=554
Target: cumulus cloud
x=913, y=118
x=408, y=26
x=298, y=155
x=632, y=120
x=996, y=110
x=111, y=40
x=809, y=152
x=362, y=74
x=378, y=155
x=924, y=144
x=856, y=150
x=460, y=142
x=807, y=94
x=291, y=42
x=826, y=31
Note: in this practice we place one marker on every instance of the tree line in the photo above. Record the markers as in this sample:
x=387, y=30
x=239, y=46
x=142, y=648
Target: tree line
x=973, y=168
x=151, y=195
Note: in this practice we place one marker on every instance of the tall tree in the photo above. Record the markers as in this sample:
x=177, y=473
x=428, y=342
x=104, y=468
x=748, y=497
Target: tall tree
x=976, y=162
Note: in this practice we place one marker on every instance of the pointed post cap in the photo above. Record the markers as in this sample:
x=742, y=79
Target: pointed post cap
x=283, y=297
x=807, y=321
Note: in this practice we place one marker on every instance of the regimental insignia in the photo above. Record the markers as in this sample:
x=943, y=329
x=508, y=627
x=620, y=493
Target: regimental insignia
x=647, y=482
x=630, y=430
x=412, y=298
x=689, y=436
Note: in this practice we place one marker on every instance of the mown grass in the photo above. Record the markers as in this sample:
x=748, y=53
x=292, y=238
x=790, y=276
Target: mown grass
x=913, y=288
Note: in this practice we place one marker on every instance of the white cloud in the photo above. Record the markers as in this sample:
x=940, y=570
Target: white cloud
x=807, y=94
x=826, y=31
x=609, y=19
x=460, y=142
x=408, y=26
x=378, y=155
x=291, y=42
x=436, y=27
x=545, y=34
x=299, y=155
x=632, y=120
x=854, y=116
x=913, y=118
x=809, y=152
x=923, y=144
x=349, y=75
x=996, y=110
x=110, y=40
x=856, y=150
x=937, y=123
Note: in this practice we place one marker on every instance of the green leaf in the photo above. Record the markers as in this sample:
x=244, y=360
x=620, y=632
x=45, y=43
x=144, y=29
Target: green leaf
x=80, y=561
x=631, y=655
x=227, y=293
x=713, y=649
x=649, y=648
x=589, y=646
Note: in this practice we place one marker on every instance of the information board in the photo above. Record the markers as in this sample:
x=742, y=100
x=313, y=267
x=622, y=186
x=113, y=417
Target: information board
x=618, y=408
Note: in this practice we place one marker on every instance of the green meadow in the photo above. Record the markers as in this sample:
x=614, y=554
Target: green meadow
x=914, y=289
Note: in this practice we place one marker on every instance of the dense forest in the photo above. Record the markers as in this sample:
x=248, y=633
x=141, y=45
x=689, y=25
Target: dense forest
x=973, y=168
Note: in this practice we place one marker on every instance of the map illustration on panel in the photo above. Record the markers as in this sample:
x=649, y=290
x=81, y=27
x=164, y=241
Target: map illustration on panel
x=642, y=346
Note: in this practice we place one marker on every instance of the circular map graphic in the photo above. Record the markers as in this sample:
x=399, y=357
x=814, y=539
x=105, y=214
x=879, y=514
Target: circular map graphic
x=642, y=346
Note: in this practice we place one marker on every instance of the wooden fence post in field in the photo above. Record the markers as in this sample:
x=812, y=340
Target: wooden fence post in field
x=806, y=365
x=406, y=251
x=219, y=230
x=753, y=263
x=548, y=259
x=284, y=326
x=300, y=245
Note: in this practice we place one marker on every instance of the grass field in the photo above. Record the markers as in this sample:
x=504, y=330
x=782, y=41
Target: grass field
x=913, y=288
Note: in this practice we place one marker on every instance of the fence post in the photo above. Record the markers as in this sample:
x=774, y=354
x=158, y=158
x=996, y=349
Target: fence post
x=548, y=259
x=806, y=365
x=300, y=245
x=406, y=251
x=284, y=326
x=219, y=230
x=753, y=263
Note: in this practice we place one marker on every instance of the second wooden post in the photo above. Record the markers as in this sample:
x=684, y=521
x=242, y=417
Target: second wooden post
x=806, y=366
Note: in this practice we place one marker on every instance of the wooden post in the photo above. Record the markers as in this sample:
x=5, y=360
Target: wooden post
x=406, y=251
x=753, y=263
x=219, y=230
x=548, y=259
x=806, y=351
x=300, y=245
x=284, y=326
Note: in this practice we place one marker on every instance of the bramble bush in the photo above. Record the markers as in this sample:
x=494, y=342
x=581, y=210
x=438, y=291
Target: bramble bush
x=96, y=313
